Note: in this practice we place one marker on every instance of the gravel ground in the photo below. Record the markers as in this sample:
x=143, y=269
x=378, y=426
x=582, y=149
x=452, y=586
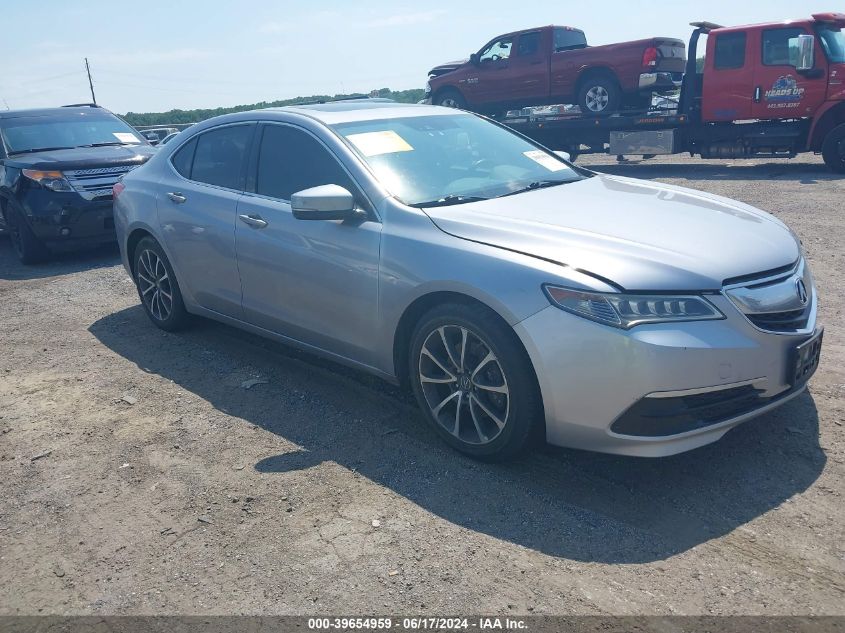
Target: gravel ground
x=141, y=478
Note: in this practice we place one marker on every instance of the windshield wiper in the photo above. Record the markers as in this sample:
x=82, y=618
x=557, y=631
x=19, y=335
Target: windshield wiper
x=537, y=184
x=32, y=150
x=108, y=144
x=448, y=201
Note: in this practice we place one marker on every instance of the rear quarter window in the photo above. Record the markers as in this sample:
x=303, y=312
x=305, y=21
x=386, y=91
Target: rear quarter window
x=183, y=159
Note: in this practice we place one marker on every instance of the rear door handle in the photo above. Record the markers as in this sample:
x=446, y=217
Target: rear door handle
x=177, y=197
x=757, y=94
x=255, y=221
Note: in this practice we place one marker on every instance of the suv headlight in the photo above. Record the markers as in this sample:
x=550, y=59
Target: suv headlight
x=627, y=310
x=427, y=87
x=53, y=180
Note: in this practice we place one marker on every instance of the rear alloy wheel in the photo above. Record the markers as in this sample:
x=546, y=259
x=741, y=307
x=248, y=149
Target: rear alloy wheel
x=157, y=287
x=833, y=149
x=28, y=248
x=599, y=96
x=474, y=382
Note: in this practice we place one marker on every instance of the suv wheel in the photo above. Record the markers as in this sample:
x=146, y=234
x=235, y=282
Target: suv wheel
x=157, y=286
x=474, y=382
x=28, y=248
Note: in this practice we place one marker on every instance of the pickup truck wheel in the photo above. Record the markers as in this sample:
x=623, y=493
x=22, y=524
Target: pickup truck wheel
x=451, y=98
x=833, y=149
x=28, y=248
x=599, y=96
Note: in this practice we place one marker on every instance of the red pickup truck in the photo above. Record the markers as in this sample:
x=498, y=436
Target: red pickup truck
x=553, y=64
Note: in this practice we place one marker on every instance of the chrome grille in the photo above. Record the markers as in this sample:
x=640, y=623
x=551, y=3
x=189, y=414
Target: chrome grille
x=783, y=303
x=96, y=184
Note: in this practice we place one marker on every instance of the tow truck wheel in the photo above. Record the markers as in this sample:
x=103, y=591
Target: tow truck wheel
x=451, y=98
x=833, y=149
x=599, y=96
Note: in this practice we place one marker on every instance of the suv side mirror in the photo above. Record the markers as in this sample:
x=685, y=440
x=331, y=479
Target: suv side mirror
x=806, y=53
x=326, y=202
x=474, y=59
x=564, y=155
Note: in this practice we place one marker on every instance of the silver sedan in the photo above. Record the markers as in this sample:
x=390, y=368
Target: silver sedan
x=518, y=296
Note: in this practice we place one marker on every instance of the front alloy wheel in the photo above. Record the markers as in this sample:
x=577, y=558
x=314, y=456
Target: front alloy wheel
x=474, y=381
x=464, y=385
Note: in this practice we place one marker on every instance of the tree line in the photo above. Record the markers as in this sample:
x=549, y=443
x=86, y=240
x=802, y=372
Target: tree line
x=194, y=116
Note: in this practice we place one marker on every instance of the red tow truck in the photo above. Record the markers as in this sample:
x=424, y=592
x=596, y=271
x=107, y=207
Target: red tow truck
x=766, y=91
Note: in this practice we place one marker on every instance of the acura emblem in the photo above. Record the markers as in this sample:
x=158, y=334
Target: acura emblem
x=802, y=291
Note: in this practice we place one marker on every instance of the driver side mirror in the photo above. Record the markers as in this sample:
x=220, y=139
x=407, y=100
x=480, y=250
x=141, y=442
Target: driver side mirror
x=806, y=53
x=326, y=202
x=474, y=59
x=564, y=155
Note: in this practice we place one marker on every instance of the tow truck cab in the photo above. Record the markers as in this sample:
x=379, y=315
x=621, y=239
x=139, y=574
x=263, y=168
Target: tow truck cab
x=793, y=70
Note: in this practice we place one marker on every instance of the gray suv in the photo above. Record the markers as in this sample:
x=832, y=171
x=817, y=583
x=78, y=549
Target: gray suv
x=519, y=296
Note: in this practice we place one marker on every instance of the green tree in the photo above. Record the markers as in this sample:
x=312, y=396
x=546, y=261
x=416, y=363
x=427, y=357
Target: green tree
x=194, y=116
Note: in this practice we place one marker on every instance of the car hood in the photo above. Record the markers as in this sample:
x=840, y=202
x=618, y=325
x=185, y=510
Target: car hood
x=639, y=235
x=83, y=157
x=448, y=67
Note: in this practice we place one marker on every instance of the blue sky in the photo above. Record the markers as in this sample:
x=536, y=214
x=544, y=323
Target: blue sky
x=157, y=55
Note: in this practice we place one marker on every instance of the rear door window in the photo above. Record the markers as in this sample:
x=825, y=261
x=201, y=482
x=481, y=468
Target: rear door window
x=730, y=51
x=529, y=44
x=219, y=156
x=569, y=39
x=290, y=160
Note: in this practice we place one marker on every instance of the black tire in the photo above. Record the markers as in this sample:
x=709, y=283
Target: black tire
x=518, y=408
x=599, y=96
x=28, y=248
x=833, y=149
x=156, y=281
x=450, y=98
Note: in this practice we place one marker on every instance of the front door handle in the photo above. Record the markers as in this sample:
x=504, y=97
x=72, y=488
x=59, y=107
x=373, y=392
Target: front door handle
x=177, y=197
x=255, y=221
x=758, y=93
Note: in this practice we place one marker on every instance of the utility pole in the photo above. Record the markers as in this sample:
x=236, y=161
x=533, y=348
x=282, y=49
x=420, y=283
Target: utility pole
x=90, y=83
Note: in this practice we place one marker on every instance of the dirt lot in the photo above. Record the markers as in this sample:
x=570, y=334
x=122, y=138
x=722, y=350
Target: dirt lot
x=140, y=477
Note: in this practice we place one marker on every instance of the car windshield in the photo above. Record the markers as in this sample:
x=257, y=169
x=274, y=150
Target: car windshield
x=32, y=133
x=453, y=158
x=833, y=41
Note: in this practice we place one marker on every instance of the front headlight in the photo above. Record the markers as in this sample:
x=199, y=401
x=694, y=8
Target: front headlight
x=627, y=310
x=53, y=180
x=427, y=87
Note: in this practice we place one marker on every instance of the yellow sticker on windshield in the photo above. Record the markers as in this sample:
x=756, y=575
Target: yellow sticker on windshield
x=375, y=143
x=549, y=162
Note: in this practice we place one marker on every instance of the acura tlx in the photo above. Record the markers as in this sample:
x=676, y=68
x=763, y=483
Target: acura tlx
x=518, y=296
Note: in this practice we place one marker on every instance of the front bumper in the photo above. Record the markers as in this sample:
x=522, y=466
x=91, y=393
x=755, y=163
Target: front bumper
x=593, y=376
x=660, y=80
x=66, y=219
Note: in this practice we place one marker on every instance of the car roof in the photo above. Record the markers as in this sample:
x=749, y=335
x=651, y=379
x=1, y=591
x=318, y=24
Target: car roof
x=334, y=112
x=46, y=112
